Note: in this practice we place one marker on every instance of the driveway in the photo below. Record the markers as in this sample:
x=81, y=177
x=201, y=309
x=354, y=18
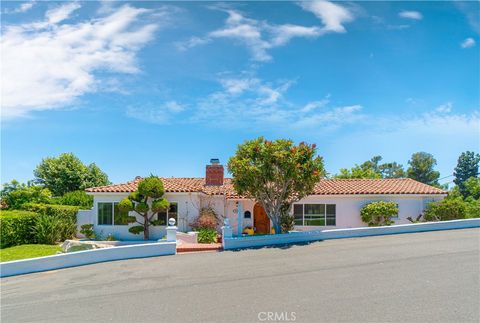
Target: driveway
x=430, y=276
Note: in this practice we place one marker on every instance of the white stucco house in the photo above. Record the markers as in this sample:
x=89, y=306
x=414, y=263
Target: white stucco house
x=335, y=203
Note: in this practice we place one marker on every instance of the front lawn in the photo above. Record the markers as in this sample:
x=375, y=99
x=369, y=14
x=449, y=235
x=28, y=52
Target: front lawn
x=28, y=251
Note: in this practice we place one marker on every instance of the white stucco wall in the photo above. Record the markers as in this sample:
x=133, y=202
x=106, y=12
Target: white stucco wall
x=188, y=204
x=347, y=209
x=232, y=208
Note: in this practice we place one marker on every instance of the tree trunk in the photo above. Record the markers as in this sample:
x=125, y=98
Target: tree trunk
x=276, y=224
x=146, y=232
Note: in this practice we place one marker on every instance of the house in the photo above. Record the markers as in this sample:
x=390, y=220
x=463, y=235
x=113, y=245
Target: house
x=334, y=203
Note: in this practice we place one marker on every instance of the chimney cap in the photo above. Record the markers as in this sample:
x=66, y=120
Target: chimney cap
x=215, y=161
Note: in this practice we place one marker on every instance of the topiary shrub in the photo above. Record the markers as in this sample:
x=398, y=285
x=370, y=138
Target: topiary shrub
x=207, y=235
x=16, y=227
x=379, y=213
x=149, y=192
x=447, y=209
x=136, y=229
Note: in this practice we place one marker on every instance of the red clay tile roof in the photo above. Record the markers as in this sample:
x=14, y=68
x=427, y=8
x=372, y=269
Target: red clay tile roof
x=323, y=187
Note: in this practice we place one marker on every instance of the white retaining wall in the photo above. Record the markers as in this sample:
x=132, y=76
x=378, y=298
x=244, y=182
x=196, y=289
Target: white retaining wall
x=80, y=258
x=307, y=236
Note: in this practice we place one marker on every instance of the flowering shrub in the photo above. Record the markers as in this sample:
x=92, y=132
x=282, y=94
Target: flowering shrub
x=206, y=220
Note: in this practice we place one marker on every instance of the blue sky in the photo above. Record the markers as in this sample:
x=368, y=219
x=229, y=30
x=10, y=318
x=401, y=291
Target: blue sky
x=162, y=87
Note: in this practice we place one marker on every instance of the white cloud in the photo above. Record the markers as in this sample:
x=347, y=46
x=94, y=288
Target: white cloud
x=415, y=15
x=24, y=7
x=467, y=43
x=444, y=108
x=282, y=34
x=48, y=64
x=260, y=36
x=332, y=15
x=56, y=15
x=246, y=101
x=470, y=10
x=160, y=114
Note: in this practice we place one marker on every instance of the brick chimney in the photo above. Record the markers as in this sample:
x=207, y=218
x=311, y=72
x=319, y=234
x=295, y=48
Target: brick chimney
x=214, y=173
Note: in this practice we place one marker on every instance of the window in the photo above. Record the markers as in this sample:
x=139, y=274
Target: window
x=314, y=214
x=298, y=214
x=105, y=213
x=331, y=214
x=108, y=214
x=172, y=212
x=247, y=215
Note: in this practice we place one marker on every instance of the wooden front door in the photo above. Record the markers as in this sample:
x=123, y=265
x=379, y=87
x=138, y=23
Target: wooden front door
x=261, y=222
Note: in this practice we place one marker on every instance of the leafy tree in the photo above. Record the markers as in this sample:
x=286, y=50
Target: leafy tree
x=472, y=188
x=421, y=168
x=16, y=194
x=275, y=173
x=392, y=170
x=95, y=177
x=467, y=167
x=67, y=173
x=379, y=213
x=357, y=172
x=373, y=169
x=146, y=201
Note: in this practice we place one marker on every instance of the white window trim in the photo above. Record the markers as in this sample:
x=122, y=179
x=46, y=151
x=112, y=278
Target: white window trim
x=168, y=215
x=113, y=214
x=303, y=214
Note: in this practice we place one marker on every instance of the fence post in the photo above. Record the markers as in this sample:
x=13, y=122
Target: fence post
x=227, y=231
x=171, y=231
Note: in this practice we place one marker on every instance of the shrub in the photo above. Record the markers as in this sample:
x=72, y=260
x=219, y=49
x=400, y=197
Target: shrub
x=447, y=209
x=16, y=228
x=472, y=208
x=206, y=220
x=207, y=235
x=87, y=231
x=287, y=222
x=21, y=194
x=111, y=237
x=47, y=229
x=379, y=213
x=75, y=198
x=67, y=216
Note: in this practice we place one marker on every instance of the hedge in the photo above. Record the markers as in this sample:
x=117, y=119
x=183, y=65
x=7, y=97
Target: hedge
x=65, y=214
x=16, y=227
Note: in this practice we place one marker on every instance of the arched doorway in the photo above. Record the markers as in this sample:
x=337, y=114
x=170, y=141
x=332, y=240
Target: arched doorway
x=261, y=222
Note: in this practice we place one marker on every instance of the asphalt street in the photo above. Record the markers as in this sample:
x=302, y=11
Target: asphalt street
x=431, y=276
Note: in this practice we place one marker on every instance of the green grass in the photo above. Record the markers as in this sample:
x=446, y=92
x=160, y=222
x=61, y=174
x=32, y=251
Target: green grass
x=28, y=251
